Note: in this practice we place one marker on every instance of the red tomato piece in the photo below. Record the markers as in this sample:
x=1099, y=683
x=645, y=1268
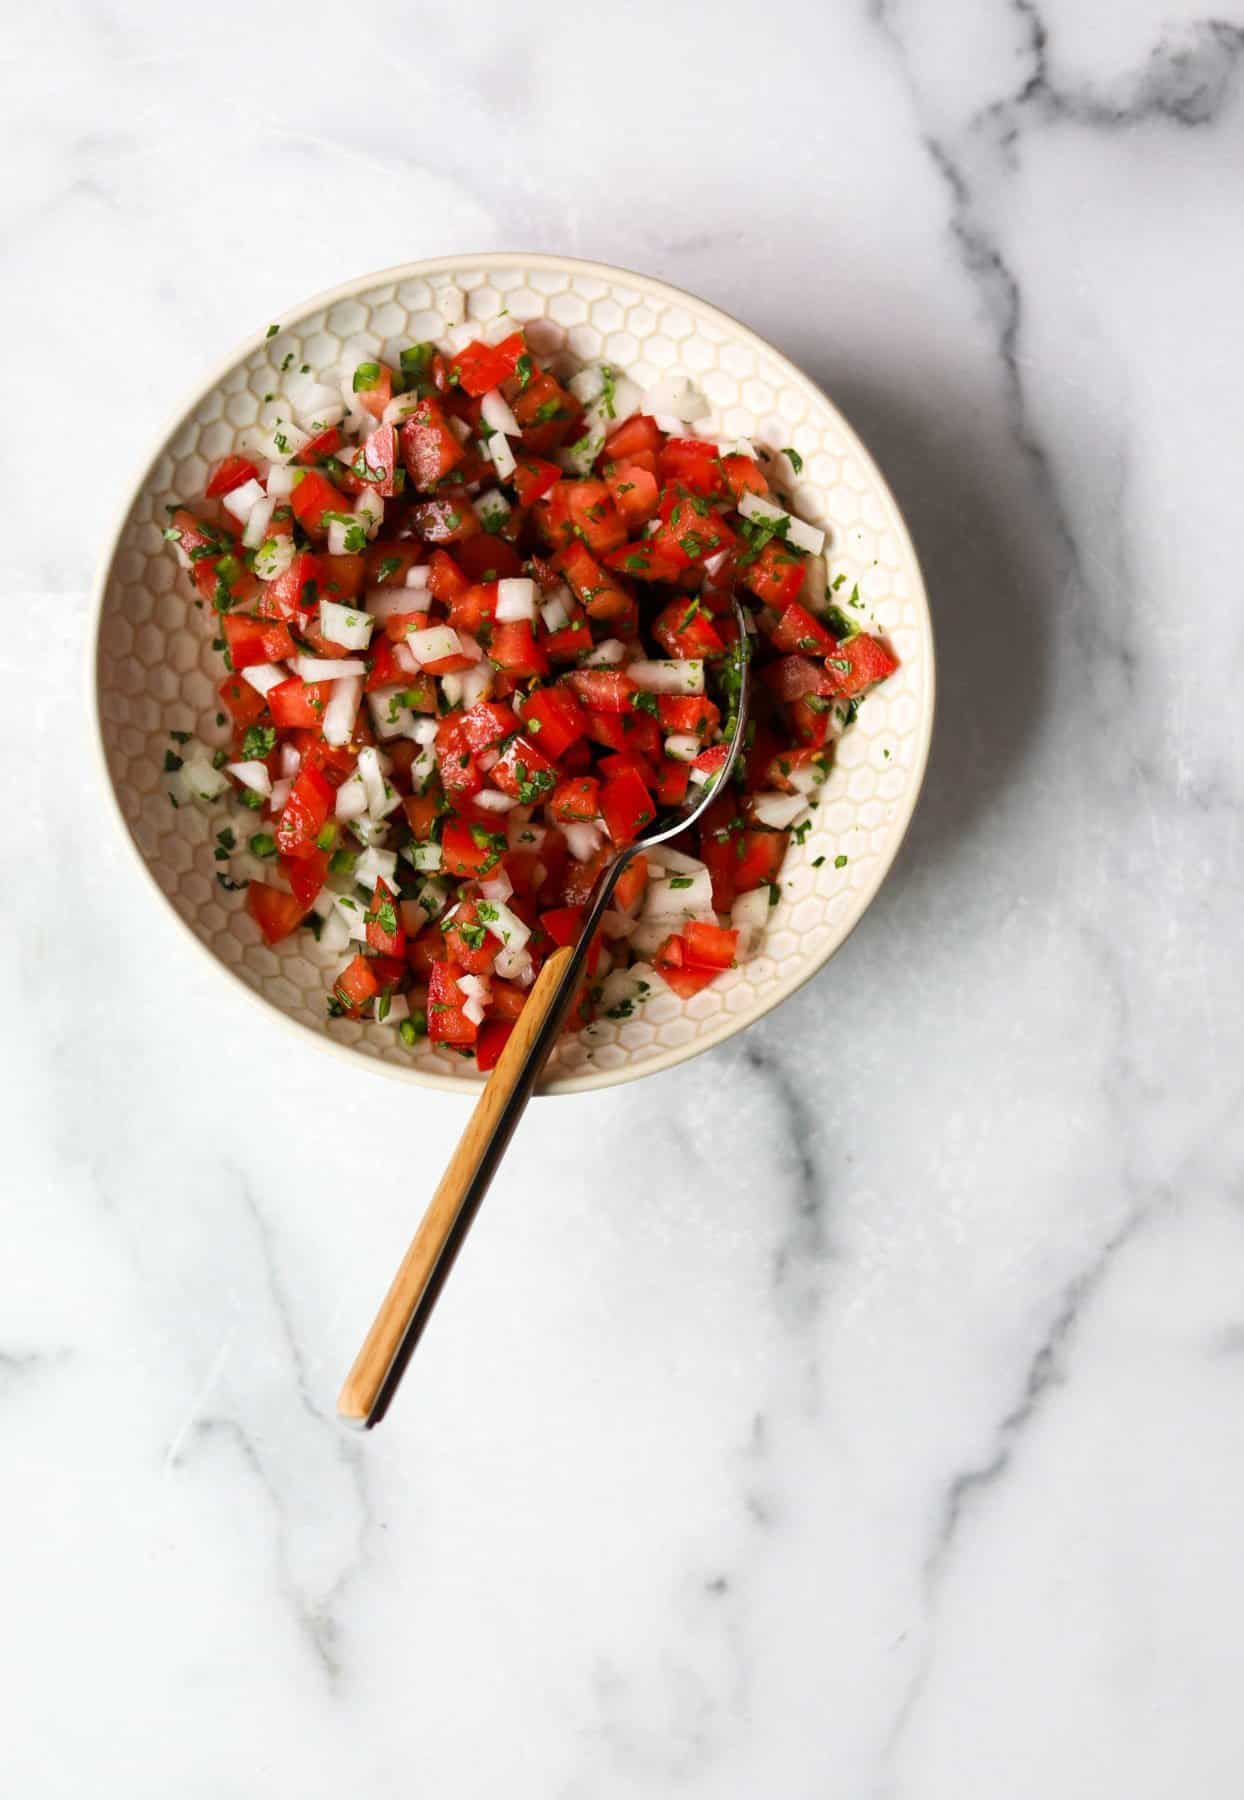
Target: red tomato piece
x=644, y=561
x=688, y=712
x=634, y=492
x=470, y=850
x=626, y=807
x=447, y=1023
x=563, y=923
x=319, y=448
x=547, y=413
x=798, y=630
x=486, y=724
x=743, y=475
x=241, y=701
x=794, y=677
x=684, y=629
x=554, y=718
x=384, y=923
x=480, y=366
x=709, y=946
x=229, y=473
x=460, y=774
x=594, y=586
x=487, y=557
x=377, y=464
x=494, y=1035
x=312, y=498
x=761, y=859
x=857, y=663
x=305, y=874
x=524, y=772
x=673, y=779
x=445, y=521
x=275, y=912
x=341, y=577
x=710, y=761
x=389, y=560
x=776, y=576
x=693, y=463
x=306, y=813
x=636, y=732
x=254, y=641
x=514, y=649
x=446, y=582
x=533, y=478
x=296, y=590
x=604, y=690
x=474, y=608
x=356, y=985
x=638, y=433
x=422, y=811
x=671, y=965
x=429, y=448
x=295, y=702
x=570, y=642
x=578, y=798
x=374, y=390
x=468, y=942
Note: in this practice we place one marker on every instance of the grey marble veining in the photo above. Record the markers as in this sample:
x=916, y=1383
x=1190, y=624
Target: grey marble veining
x=853, y=1413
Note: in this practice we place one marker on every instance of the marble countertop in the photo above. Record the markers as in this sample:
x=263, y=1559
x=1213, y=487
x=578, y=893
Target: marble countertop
x=857, y=1410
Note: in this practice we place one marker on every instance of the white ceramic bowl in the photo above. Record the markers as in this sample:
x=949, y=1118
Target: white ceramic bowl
x=156, y=671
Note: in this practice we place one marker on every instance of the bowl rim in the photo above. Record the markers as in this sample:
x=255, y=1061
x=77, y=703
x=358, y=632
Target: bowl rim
x=470, y=1085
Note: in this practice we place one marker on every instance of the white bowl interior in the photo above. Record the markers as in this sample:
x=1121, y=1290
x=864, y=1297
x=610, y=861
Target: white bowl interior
x=156, y=671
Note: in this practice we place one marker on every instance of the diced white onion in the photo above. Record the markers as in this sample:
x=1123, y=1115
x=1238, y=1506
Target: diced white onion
x=496, y=412
x=493, y=800
x=476, y=683
x=508, y=927
x=424, y=731
x=798, y=533
x=369, y=831
x=497, y=887
x=422, y=770
x=327, y=668
x=677, y=675
x=400, y=408
x=383, y=603
x=279, y=481
x=777, y=810
x=609, y=653
x=740, y=447
x=373, y=779
x=405, y=660
x=342, y=709
x=199, y=779
x=673, y=862
x=677, y=398
x=694, y=893
x=274, y=556
x=516, y=599
x=344, y=625
x=253, y=775
x=554, y=614
x=339, y=535
x=418, y=575
x=352, y=913
x=334, y=933
x=427, y=858
x=713, y=565
x=577, y=458
x=351, y=799
x=241, y=499
x=376, y=865
x=291, y=440
x=625, y=989
x=583, y=839
x=492, y=509
x=502, y=455
x=369, y=511
x=650, y=933
x=433, y=644
x=281, y=791
x=472, y=1009
x=451, y=304
x=475, y=987
x=751, y=911
x=682, y=746
x=515, y=965
x=290, y=761
x=257, y=523
x=263, y=677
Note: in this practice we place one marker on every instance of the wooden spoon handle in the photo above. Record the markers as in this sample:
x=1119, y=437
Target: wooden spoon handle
x=426, y=1263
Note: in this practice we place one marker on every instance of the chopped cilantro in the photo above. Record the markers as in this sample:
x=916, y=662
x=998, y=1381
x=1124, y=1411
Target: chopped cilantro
x=817, y=861
x=258, y=742
x=794, y=459
x=272, y=331
x=680, y=881
x=172, y=762
x=840, y=862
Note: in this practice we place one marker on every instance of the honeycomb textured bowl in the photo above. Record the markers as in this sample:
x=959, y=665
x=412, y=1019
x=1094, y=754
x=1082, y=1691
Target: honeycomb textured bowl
x=156, y=672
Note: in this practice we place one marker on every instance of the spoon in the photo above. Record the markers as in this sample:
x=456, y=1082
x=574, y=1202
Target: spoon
x=405, y=1309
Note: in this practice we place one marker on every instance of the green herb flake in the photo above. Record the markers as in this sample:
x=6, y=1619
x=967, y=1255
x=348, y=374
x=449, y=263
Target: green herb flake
x=794, y=459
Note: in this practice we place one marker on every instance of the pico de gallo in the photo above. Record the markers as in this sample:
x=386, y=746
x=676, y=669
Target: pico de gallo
x=476, y=624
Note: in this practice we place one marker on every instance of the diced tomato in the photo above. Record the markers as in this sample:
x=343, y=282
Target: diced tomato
x=590, y=513
x=563, y=923
x=593, y=585
x=776, y=576
x=254, y=641
x=688, y=712
x=474, y=608
x=523, y=772
x=334, y=761
x=555, y=719
x=604, y=690
x=468, y=942
x=570, y=642
x=494, y=1035
x=547, y=413
x=514, y=649
x=798, y=630
x=384, y=922
x=275, y=912
x=305, y=874
x=761, y=859
x=483, y=366
x=296, y=702
x=429, y=448
x=225, y=580
x=691, y=530
x=809, y=719
x=634, y=492
x=790, y=762
x=319, y=448
x=389, y=560
x=626, y=807
x=426, y=950
x=373, y=383
x=709, y=946
x=626, y=762
x=673, y=779
x=445, y=521
x=692, y=463
x=854, y=665
x=459, y=771
x=470, y=850
x=578, y=798
x=743, y=475
x=446, y=582
x=356, y=985
x=295, y=591
x=631, y=883
x=422, y=811
x=687, y=630
x=312, y=498
x=486, y=724
x=377, y=464
x=794, y=677
x=230, y=472
x=671, y=965
x=580, y=878
x=341, y=577
x=712, y=760
x=634, y=731
x=383, y=668
x=447, y=1023
x=534, y=477
x=306, y=812
x=487, y=557
x=241, y=701
x=640, y=432
x=644, y=561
